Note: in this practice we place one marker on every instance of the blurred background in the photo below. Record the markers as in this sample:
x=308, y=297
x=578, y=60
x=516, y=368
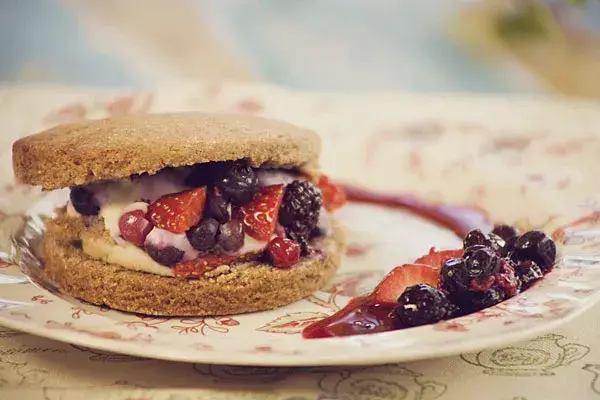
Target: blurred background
x=525, y=46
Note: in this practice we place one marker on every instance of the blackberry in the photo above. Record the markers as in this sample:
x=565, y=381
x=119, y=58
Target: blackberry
x=299, y=212
x=528, y=272
x=537, y=247
x=482, y=263
x=168, y=256
x=422, y=304
x=476, y=301
x=84, y=201
x=216, y=207
x=506, y=232
x=454, y=277
x=231, y=236
x=203, y=236
x=237, y=182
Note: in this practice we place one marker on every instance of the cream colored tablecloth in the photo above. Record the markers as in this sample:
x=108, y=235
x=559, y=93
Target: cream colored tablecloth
x=561, y=364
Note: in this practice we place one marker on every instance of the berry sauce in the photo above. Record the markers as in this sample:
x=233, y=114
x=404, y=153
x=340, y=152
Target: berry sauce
x=458, y=219
x=360, y=316
x=364, y=315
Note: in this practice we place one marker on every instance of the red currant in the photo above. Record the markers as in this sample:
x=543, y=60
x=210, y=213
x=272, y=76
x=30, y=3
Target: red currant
x=134, y=227
x=284, y=252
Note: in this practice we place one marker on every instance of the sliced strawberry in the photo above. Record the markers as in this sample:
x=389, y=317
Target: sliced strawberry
x=436, y=259
x=178, y=212
x=401, y=277
x=333, y=196
x=284, y=252
x=259, y=216
x=198, y=266
x=134, y=227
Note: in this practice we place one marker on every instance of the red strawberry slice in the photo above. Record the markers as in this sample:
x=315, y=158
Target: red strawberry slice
x=197, y=267
x=134, y=227
x=259, y=216
x=394, y=284
x=178, y=212
x=333, y=196
x=436, y=259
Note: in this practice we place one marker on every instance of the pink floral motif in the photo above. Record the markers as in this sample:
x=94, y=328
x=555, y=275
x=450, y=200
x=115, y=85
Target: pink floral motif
x=515, y=143
x=79, y=311
x=357, y=249
x=99, y=334
x=450, y=326
x=328, y=303
x=144, y=322
x=292, y=323
x=41, y=299
x=204, y=325
x=4, y=264
x=70, y=113
x=562, y=233
x=568, y=147
x=249, y=106
x=125, y=105
x=202, y=347
x=354, y=283
x=421, y=132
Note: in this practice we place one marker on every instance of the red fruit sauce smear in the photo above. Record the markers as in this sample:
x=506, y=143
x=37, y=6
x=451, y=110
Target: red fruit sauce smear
x=365, y=314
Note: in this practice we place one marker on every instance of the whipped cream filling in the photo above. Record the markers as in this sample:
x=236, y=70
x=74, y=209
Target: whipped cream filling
x=116, y=198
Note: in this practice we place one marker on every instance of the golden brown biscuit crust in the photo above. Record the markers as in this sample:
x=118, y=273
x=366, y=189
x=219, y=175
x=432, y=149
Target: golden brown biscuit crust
x=247, y=288
x=76, y=154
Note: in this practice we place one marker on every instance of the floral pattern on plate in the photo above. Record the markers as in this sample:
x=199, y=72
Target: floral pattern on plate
x=526, y=162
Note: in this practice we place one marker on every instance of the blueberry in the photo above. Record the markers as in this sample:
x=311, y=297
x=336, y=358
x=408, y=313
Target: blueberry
x=535, y=246
x=528, y=272
x=506, y=232
x=455, y=277
x=482, y=263
x=238, y=182
x=422, y=304
x=476, y=301
x=168, y=256
x=216, y=207
x=300, y=208
x=84, y=201
x=203, y=236
x=475, y=238
x=205, y=174
x=231, y=236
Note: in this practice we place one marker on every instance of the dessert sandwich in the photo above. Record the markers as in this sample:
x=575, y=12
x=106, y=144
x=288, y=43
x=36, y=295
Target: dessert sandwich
x=185, y=214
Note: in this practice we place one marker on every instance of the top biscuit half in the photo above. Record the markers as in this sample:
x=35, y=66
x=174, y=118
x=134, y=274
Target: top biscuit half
x=116, y=148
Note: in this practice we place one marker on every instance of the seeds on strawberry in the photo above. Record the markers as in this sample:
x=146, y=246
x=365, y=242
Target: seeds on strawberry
x=259, y=216
x=178, y=212
x=284, y=252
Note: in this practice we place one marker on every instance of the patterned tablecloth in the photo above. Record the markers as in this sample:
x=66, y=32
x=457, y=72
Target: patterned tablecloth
x=561, y=364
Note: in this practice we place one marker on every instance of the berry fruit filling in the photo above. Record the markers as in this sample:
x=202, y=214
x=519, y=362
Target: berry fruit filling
x=441, y=285
x=194, y=219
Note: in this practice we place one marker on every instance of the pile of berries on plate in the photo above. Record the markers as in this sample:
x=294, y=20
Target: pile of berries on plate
x=489, y=269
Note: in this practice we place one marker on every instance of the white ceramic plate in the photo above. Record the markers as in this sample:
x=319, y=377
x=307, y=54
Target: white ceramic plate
x=524, y=162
